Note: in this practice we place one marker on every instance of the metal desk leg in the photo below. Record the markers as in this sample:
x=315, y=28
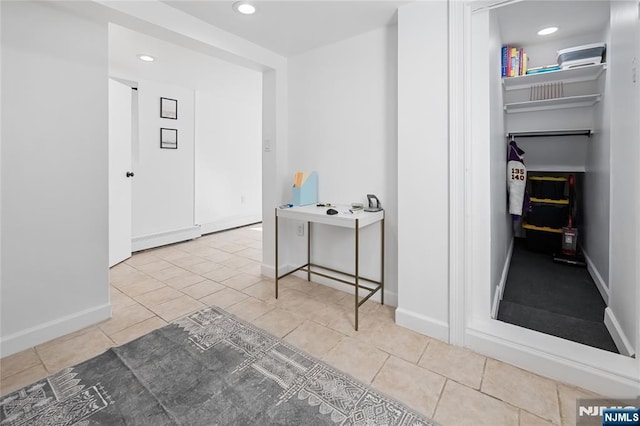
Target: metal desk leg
x=356, y=269
x=382, y=261
x=308, y=251
x=276, y=273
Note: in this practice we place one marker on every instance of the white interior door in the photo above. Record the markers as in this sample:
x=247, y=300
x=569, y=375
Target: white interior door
x=120, y=173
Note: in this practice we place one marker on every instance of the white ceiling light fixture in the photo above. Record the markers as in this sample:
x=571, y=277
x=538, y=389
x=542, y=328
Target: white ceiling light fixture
x=547, y=31
x=146, y=58
x=244, y=8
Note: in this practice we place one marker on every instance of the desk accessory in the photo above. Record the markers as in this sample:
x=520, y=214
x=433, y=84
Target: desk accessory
x=305, y=188
x=374, y=204
x=332, y=211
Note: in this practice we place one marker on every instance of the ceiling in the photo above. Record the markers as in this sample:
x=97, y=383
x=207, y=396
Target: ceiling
x=293, y=27
x=571, y=17
x=174, y=64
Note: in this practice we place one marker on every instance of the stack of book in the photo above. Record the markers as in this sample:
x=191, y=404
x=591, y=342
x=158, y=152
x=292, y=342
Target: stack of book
x=514, y=61
x=546, y=68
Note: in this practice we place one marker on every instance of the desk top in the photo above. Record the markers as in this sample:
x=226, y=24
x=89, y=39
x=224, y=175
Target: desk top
x=344, y=218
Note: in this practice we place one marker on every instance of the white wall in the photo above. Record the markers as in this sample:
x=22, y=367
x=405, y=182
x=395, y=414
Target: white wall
x=218, y=161
x=342, y=123
x=624, y=282
x=189, y=31
x=54, y=173
x=597, y=196
x=228, y=152
x=163, y=185
x=501, y=223
x=423, y=220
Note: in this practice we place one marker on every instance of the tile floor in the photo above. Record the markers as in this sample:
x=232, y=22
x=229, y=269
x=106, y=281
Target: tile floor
x=449, y=384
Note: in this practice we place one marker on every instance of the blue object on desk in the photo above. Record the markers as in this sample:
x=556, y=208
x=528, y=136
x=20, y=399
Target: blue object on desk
x=307, y=193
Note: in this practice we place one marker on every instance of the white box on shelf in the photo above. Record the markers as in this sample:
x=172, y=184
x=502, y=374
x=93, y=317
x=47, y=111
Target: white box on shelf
x=580, y=56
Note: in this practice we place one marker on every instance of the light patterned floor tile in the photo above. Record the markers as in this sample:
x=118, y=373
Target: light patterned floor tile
x=568, y=396
x=125, y=317
x=236, y=262
x=356, y=358
x=528, y=419
x=137, y=330
x=141, y=287
x=459, y=364
x=177, y=308
x=189, y=261
x=18, y=362
x=118, y=298
x=154, y=266
x=250, y=309
x=202, y=289
x=314, y=338
x=221, y=274
x=185, y=280
x=523, y=389
x=158, y=297
x=463, y=406
x=263, y=290
x=224, y=298
x=167, y=273
x=278, y=322
x=418, y=388
x=22, y=379
x=241, y=281
x=204, y=267
x=253, y=268
x=394, y=339
x=73, y=351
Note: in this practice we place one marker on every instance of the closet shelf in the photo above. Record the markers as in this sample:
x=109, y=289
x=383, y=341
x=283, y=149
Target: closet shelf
x=572, y=75
x=554, y=168
x=543, y=133
x=555, y=103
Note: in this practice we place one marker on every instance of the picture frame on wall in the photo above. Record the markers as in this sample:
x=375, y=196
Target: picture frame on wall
x=169, y=108
x=168, y=138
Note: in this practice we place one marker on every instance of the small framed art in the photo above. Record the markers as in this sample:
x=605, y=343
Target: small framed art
x=169, y=108
x=168, y=138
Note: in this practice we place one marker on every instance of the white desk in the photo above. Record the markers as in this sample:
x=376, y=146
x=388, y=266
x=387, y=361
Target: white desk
x=356, y=221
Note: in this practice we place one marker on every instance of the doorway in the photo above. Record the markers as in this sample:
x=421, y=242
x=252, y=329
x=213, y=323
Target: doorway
x=598, y=154
x=120, y=173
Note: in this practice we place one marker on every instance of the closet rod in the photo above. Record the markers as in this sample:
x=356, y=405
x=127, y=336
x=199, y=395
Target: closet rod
x=580, y=132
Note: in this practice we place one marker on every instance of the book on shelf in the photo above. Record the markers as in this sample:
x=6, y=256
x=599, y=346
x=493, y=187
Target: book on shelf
x=505, y=57
x=514, y=61
x=545, y=68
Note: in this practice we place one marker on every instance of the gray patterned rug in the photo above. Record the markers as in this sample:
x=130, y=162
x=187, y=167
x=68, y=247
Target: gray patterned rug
x=205, y=369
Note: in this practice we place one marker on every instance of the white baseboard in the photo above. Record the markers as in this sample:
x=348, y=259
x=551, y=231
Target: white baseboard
x=268, y=270
x=163, y=238
x=601, y=284
x=228, y=223
x=497, y=297
x=422, y=324
x=544, y=359
x=617, y=334
x=33, y=336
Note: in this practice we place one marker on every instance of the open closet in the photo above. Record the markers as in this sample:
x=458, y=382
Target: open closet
x=559, y=251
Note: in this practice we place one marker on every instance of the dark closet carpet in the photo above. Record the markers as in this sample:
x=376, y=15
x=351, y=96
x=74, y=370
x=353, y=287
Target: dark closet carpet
x=553, y=298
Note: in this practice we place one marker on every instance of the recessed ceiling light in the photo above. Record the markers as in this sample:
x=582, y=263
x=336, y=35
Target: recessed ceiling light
x=546, y=31
x=244, y=8
x=146, y=58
